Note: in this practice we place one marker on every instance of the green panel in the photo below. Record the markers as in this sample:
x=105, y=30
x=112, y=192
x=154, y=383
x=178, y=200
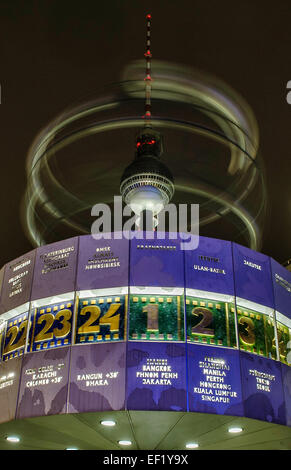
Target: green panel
x=256, y=332
x=156, y=317
x=284, y=340
x=210, y=322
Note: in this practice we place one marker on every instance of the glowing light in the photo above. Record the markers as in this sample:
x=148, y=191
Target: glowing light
x=235, y=429
x=108, y=422
x=192, y=445
x=12, y=439
x=124, y=443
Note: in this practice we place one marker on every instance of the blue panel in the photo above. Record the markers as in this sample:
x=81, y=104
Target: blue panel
x=282, y=288
x=252, y=274
x=214, y=383
x=209, y=267
x=262, y=389
x=156, y=262
x=156, y=376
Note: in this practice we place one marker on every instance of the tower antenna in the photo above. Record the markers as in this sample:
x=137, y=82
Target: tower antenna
x=148, y=78
x=147, y=185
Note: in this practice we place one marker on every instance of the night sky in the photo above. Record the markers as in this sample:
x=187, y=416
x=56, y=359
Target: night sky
x=53, y=52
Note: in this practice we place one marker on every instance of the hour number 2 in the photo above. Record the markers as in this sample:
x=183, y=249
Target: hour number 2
x=201, y=327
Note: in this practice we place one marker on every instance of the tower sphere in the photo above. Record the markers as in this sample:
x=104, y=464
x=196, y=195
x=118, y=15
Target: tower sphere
x=147, y=183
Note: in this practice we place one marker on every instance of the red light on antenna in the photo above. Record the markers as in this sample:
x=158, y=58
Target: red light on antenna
x=149, y=16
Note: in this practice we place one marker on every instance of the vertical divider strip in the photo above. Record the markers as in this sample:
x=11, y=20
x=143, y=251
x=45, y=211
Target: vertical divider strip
x=236, y=327
x=185, y=333
x=274, y=315
x=27, y=333
x=127, y=321
x=74, y=319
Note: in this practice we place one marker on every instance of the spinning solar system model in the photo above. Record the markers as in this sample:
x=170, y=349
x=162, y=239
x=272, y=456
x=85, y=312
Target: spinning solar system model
x=147, y=183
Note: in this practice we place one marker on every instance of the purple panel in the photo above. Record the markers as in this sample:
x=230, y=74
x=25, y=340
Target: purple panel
x=55, y=268
x=17, y=281
x=97, y=380
x=262, y=388
x=214, y=382
x=156, y=262
x=282, y=288
x=44, y=383
x=286, y=379
x=102, y=263
x=209, y=267
x=252, y=276
x=9, y=381
x=156, y=376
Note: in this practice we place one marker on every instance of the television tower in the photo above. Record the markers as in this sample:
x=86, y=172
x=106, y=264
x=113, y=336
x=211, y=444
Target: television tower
x=147, y=184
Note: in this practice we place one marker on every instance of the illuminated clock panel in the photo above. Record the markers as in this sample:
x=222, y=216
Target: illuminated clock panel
x=101, y=315
x=51, y=322
x=211, y=320
x=156, y=314
x=14, y=332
